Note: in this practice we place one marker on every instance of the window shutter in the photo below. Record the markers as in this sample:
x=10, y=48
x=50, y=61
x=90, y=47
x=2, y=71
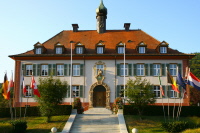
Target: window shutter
x=146, y=69
x=38, y=69
x=163, y=70
x=50, y=70
x=165, y=91
x=81, y=91
x=151, y=70
x=54, y=70
x=118, y=90
x=118, y=70
x=180, y=91
x=23, y=70
x=81, y=69
x=180, y=68
x=34, y=69
x=167, y=67
x=68, y=91
x=69, y=69
x=65, y=69
x=135, y=69
x=130, y=69
x=169, y=90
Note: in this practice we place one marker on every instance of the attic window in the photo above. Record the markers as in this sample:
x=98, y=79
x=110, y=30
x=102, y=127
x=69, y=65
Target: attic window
x=100, y=48
x=80, y=48
x=39, y=48
x=163, y=47
x=120, y=48
x=59, y=48
x=141, y=48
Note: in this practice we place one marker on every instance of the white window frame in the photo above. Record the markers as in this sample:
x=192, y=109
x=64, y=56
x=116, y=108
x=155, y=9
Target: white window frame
x=79, y=50
x=163, y=49
x=58, y=50
x=122, y=69
x=76, y=69
x=140, y=69
x=100, y=50
x=120, y=50
x=75, y=90
x=44, y=70
x=60, y=70
x=142, y=50
x=173, y=94
x=98, y=67
x=38, y=50
x=173, y=69
x=28, y=91
x=156, y=69
x=29, y=70
x=156, y=91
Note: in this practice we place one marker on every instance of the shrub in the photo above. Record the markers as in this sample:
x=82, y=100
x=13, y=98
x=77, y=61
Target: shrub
x=174, y=127
x=6, y=128
x=78, y=105
x=19, y=126
x=118, y=104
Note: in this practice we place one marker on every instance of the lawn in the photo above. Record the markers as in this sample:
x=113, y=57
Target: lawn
x=152, y=124
x=38, y=125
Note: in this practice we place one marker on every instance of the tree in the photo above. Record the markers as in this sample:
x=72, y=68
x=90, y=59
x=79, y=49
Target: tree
x=3, y=103
x=139, y=94
x=52, y=92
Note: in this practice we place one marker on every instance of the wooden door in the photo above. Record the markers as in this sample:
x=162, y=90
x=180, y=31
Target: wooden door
x=99, y=99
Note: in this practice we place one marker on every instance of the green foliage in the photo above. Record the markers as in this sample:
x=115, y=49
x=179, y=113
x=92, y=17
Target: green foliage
x=118, y=104
x=175, y=126
x=139, y=94
x=6, y=128
x=19, y=126
x=52, y=92
x=78, y=105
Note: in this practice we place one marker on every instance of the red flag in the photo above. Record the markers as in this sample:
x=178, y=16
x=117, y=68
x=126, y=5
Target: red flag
x=172, y=82
x=10, y=85
x=34, y=87
x=24, y=88
x=5, y=87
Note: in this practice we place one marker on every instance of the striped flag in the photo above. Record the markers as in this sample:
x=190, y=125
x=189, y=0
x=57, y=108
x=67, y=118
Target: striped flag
x=5, y=86
x=10, y=85
x=34, y=87
x=161, y=89
x=172, y=82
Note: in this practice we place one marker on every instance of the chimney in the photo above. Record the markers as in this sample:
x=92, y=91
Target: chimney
x=75, y=27
x=127, y=26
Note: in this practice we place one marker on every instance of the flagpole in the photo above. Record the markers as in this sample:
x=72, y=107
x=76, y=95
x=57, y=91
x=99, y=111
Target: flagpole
x=71, y=73
x=168, y=93
x=124, y=75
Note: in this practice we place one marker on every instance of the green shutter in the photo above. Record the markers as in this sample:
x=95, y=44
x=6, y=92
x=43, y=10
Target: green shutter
x=34, y=69
x=23, y=70
x=81, y=91
x=163, y=70
x=69, y=72
x=118, y=91
x=151, y=70
x=65, y=69
x=81, y=69
x=169, y=90
x=118, y=70
x=180, y=91
x=38, y=69
x=130, y=69
x=54, y=70
x=146, y=69
x=164, y=90
x=50, y=70
x=180, y=68
x=167, y=67
x=135, y=69
x=68, y=91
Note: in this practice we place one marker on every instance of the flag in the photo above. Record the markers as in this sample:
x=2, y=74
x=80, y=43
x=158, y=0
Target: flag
x=161, y=89
x=34, y=87
x=182, y=83
x=172, y=82
x=193, y=81
x=24, y=87
x=10, y=85
x=5, y=87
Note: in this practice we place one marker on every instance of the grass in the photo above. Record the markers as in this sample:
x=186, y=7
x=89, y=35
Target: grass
x=38, y=124
x=152, y=124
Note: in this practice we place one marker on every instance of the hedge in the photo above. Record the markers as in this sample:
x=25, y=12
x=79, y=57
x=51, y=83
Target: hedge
x=34, y=111
x=158, y=110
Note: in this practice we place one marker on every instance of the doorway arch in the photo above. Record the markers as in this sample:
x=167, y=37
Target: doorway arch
x=103, y=91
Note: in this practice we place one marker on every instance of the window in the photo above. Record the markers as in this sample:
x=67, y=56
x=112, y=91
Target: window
x=120, y=50
x=172, y=69
x=163, y=50
x=156, y=69
x=58, y=50
x=76, y=70
x=99, y=50
x=38, y=50
x=173, y=94
x=156, y=90
x=79, y=50
x=29, y=70
x=76, y=91
x=100, y=67
x=122, y=69
x=140, y=69
x=28, y=91
x=60, y=70
x=141, y=50
x=44, y=70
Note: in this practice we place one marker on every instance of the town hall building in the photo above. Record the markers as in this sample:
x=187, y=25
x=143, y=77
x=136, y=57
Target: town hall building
x=95, y=63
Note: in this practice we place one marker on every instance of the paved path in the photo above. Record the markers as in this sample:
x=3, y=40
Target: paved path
x=96, y=120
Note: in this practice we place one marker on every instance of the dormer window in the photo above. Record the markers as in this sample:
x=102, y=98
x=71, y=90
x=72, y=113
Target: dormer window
x=59, y=48
x=120, y=48
x=100, y=48
x=39, y=48
x=163, y=50
x=141, y=48
x=163, y=47
x=80, y=48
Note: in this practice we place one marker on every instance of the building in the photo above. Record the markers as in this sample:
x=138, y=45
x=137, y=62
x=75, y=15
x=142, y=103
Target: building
x=98, y=67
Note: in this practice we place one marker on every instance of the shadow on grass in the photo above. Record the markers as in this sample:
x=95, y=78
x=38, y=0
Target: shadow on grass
x=39, y=131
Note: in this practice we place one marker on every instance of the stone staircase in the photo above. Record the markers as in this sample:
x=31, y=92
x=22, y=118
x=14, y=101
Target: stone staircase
x=96, y=120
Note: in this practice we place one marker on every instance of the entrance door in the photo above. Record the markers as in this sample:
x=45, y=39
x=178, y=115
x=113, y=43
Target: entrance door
x=99, y=96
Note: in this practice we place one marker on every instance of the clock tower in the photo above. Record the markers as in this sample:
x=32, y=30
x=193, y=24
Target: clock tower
x=101, y=17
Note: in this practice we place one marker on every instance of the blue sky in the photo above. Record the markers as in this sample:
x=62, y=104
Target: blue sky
x=25, y=22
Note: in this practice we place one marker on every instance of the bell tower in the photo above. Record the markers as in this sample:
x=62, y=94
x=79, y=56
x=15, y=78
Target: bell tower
x=101, y=17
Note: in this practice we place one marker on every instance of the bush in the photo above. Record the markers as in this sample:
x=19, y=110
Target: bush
x=19, y=126
x=118, y=104
x=176, y=126
x=78, y=105
x=6, y=128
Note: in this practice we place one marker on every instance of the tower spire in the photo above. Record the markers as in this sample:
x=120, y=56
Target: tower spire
x=101, y=17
